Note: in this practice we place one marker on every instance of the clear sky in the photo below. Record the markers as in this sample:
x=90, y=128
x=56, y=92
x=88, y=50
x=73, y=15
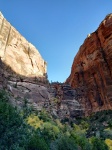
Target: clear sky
x=57, y=28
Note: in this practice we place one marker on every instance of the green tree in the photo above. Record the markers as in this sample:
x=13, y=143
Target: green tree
x=64, y=143
x=98, y=144
x=37, y=143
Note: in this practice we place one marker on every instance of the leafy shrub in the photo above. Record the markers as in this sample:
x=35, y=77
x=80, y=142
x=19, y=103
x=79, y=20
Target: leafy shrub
x=109, y=143
x=64, y=143
x=45, y=116
x=3, y=96
x=81, y=140
x=34, y=121
x=50, y=131
x=13, y=130
x=110, y=123
x=101, y=121
x=37, y=143
x=98, y=144
x=107, y=133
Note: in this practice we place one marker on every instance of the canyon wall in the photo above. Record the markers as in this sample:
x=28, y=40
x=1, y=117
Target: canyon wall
x=23, y=75
x=17, y=53
x=23, y=71
x=91, y=73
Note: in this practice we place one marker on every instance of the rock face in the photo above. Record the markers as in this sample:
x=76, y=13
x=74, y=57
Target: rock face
x=23, y=74
x=23, y=71
x=63, y=103
x=91, y=73
x=17, y=53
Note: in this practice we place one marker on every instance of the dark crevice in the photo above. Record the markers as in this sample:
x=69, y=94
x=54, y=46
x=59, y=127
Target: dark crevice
x=30, y=57
x=36, y=65
x=104, y=56
x=7, y=40
x=102, y=84
x=108, y=36
x=98, y=97
x=2, y=26
x=24, y=87
x=27, y=82
x=42, y=95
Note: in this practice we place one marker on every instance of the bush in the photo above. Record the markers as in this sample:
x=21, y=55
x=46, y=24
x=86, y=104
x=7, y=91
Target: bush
x=34, y=121
x=37, y=143
x=98, y=144
x=64, y=143
x=13, y=130
x=3, y=96
x=109, y=143
x=50, y=131
x=81, y=140
x=45, y=116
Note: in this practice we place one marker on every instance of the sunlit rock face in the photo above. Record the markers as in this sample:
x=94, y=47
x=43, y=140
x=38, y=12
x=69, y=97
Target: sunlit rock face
x=91, y=73
x=22, y=69
x=17, y=53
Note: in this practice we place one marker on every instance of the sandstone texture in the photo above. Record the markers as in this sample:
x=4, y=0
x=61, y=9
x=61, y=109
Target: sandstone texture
x=91, y=73
x=23, y=72
x=18, y=54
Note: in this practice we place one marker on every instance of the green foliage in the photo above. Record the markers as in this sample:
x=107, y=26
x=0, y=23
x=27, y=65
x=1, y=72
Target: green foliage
x=98, y=122
x=79, y=136
x=37, y=143
x=34, y=121
x=64, y=143
x=3, y=96
x=110, y=123
x=84, y=124
x=50, y=131
x=13, y=130
x=29, y=130
x=45, y=116
x=107, y=133
x=98, y=144
x=109, y=143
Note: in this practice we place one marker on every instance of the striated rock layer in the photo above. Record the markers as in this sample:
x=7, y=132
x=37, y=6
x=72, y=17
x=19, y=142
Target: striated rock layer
x=91, y=73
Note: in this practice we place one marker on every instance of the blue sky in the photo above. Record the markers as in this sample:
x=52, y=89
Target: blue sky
x=57, y=28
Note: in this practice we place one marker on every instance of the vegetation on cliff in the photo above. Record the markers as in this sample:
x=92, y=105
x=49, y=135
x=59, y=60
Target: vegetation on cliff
x=28, y=130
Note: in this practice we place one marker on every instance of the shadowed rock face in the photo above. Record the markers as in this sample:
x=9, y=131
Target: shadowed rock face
x=91, y=73
x=63, y=101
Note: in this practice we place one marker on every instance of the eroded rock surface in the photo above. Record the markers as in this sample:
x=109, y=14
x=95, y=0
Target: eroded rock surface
x=63, y=101
x=91, y=73
x=57, y=98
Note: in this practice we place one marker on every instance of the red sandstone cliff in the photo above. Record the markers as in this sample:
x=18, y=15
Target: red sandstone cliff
x=91, y=73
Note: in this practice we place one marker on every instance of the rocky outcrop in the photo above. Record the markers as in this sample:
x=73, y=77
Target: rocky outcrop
x=23, y=74
x=63, y=103
x=23, y=71
x=91, y=73
x=18, y=54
